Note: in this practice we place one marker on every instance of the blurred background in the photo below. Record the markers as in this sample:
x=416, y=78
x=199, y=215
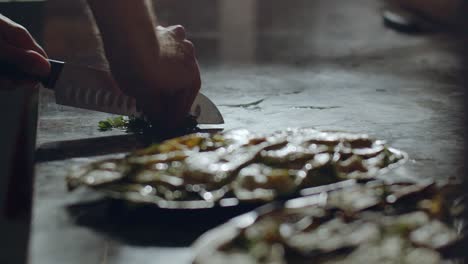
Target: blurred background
x=254, y=30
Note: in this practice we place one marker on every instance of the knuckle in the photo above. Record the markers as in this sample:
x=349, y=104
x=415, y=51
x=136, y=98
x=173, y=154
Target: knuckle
x=20, y=30
x=178, y=31
x=179, y=28
x=189, y=43
x=189, y=47
x=20, y=34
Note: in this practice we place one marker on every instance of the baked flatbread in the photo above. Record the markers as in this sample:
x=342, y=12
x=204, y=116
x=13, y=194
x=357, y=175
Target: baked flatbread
x=207, y=170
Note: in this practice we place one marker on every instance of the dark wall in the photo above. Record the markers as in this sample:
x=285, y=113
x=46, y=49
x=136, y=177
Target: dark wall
x=28, y=14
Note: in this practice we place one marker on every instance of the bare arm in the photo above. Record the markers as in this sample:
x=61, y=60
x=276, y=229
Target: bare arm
x=154, y=64
x=129, y=35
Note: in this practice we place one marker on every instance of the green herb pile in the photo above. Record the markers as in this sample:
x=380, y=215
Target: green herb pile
x=143, y=126
x=128, y=124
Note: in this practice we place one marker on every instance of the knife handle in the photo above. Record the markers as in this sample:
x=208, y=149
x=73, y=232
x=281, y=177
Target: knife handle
x=49, y=82
x=56, y=68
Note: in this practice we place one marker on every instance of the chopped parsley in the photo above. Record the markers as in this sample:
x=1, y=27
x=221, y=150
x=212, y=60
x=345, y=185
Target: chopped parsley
x=140, y=125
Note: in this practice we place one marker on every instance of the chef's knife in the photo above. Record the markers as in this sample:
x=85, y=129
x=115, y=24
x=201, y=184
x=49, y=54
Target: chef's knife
x=93, y=89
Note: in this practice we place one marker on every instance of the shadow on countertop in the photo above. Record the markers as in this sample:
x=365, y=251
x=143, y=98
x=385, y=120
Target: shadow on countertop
x=147, y=225
x=87, y=147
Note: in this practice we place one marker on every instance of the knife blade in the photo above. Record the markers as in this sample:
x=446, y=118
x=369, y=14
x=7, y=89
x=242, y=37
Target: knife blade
x=88, y=88
x=95, y=89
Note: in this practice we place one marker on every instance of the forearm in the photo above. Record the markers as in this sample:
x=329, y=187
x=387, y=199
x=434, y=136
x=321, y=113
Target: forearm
x=156, y=65
x=128, y=31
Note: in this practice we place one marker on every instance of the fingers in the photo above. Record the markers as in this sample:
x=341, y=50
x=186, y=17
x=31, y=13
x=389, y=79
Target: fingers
x=179, y=100
x=152, y=108
x=189, y=47
x=173, y=40
x=176, y=82
x=183, y=99
x=172, y=115
x=181, y=103
x=164, y=111
x=28, y=62
x=18, y=36
x=194, y=89
x=178, y=31
x=169, y=110
x=20, y=55
x=180, y=108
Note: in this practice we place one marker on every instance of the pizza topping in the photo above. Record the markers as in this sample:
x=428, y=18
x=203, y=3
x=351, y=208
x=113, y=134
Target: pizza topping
x=342, y=231
x=261, y=182
x=241, y=164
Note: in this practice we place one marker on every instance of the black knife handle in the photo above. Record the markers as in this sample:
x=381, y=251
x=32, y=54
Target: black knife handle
x=11, y=71
x=56, y=68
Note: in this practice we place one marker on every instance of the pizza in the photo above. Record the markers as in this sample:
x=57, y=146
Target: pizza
x=206, y=170
x=365, y=223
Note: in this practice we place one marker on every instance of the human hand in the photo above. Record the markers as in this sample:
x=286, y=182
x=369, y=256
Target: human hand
x=175, y=83
x=20, y=55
